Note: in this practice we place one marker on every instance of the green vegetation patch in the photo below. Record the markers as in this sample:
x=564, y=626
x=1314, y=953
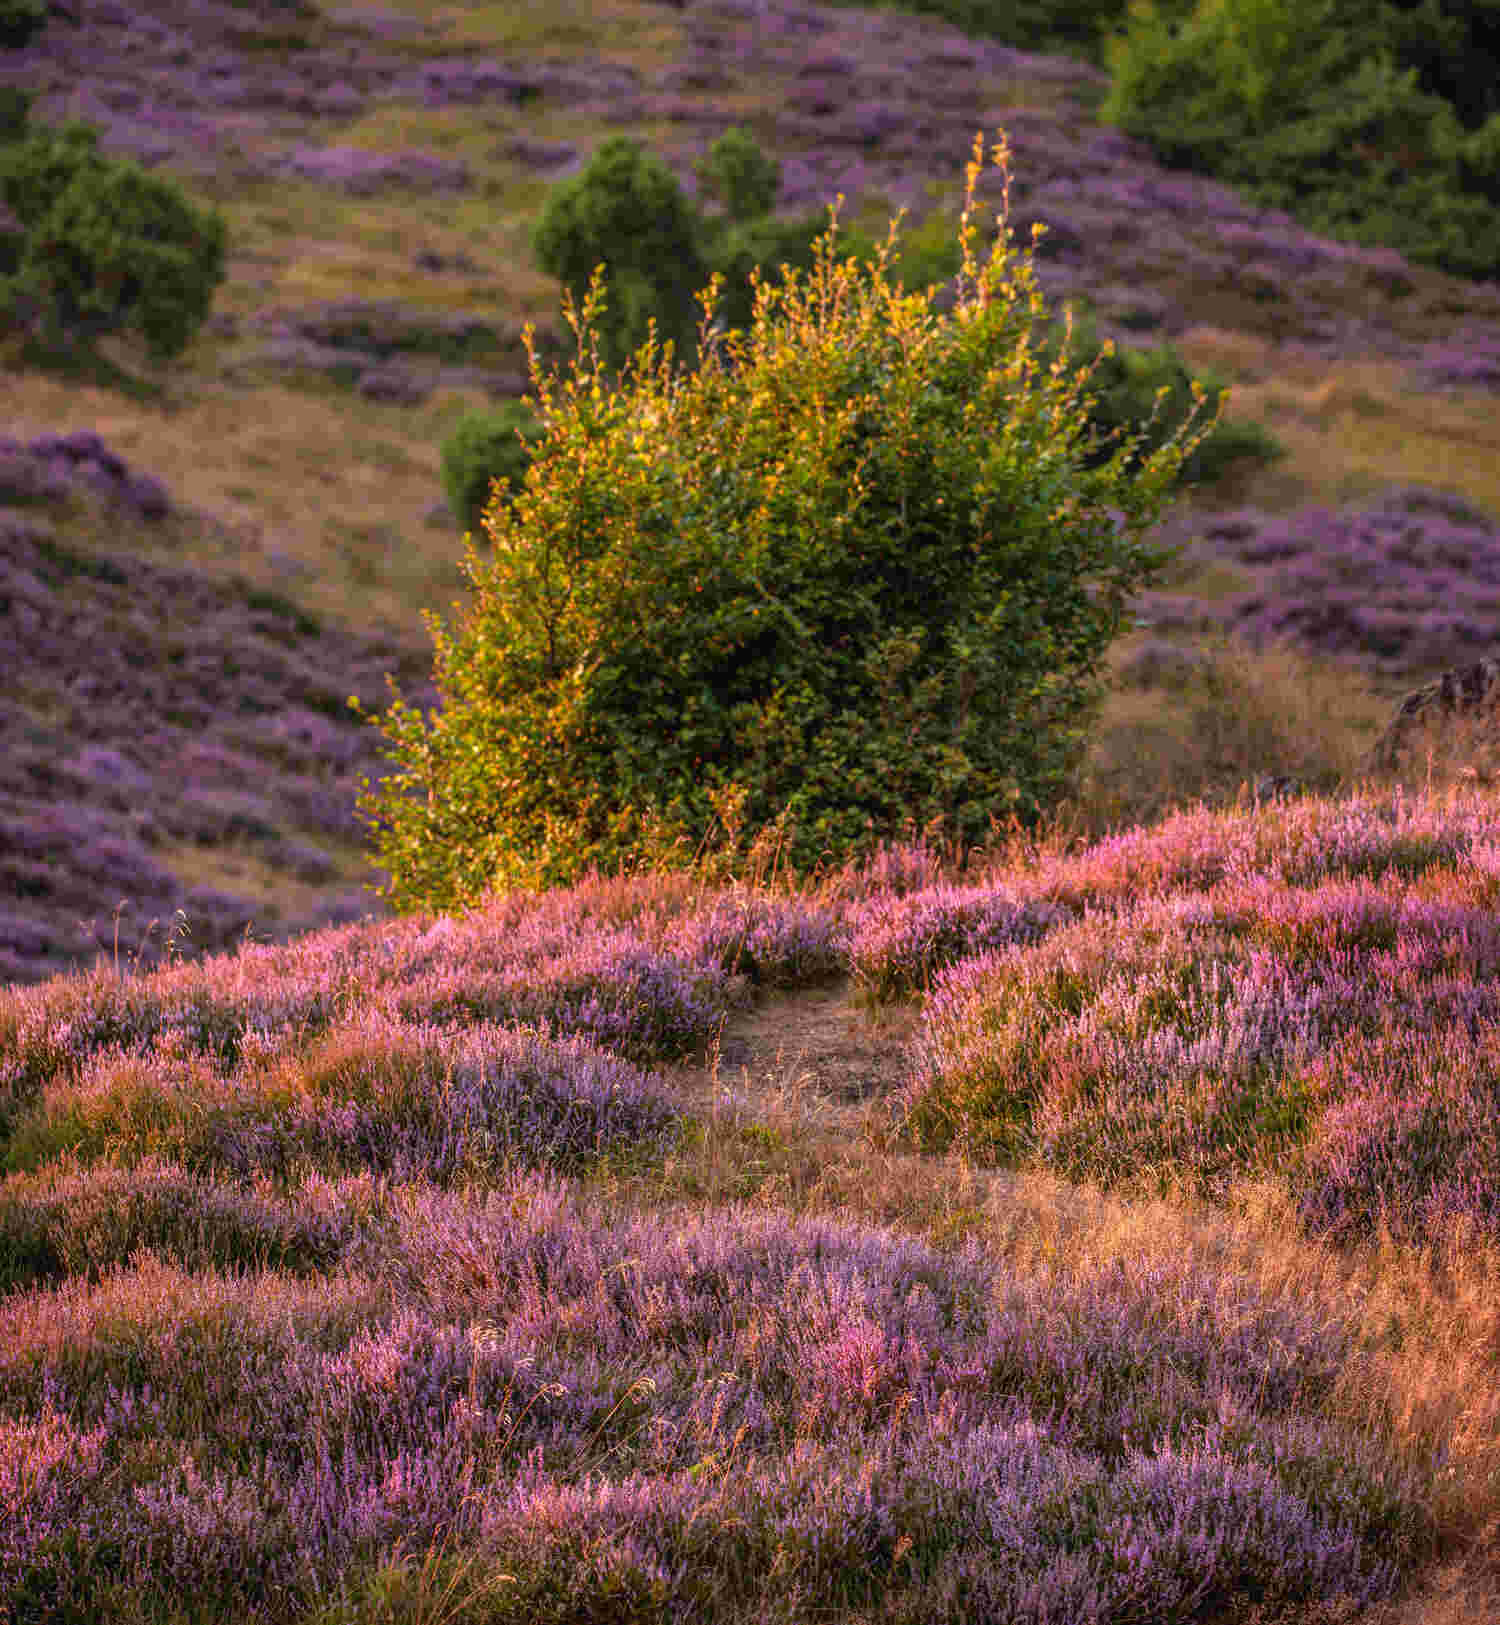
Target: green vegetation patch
x=858, y=574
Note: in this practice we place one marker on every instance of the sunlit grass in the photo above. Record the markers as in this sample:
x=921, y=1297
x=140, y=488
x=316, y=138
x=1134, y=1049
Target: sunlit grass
x=562, y=26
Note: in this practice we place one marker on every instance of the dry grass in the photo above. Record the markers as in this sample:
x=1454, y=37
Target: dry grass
x=1276, y=712
x=633, y=28
x=1353, y=427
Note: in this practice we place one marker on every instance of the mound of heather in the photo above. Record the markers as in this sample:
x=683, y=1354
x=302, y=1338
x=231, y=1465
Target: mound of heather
x=1311, y=993
x=730, y=1416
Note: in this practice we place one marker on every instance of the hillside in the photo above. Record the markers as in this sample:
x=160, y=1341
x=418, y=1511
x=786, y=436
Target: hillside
x=379, y=170
x=1106, y=1227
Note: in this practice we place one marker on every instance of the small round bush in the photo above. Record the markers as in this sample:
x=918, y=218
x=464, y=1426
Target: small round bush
x=1151, y=393
x=20, y=22
x=861, y=577
x=106, y=245
x=15, y=109
x=740, y=175
x=484, y=448
x=625, y=210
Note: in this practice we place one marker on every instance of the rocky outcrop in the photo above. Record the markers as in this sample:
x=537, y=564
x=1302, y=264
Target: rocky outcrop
x=1469, y=693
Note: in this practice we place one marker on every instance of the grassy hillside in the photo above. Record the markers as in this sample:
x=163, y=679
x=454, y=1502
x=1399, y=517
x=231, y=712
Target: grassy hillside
x=1103, y=1225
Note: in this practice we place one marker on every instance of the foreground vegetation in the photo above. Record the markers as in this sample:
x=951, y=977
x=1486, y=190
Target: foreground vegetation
x=400, y=1266
x=1138, y=1258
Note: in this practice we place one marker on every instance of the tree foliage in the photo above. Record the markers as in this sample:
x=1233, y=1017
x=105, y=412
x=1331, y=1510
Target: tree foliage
x=861, y=576
x=20, y=22
x=1360, y=121
x=103, y=245
x=486, y=447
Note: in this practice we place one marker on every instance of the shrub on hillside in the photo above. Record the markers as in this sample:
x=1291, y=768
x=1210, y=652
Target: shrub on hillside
x=105, y=246
x=743, y=178
x=625, y=210
x=862, y=578
x=486, y=447
x=1151, y=393
x=15, y=109
x=1335, y=114
x=20, y=22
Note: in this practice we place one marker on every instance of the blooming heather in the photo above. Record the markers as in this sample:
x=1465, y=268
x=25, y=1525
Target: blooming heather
x=728, y=1412
x=405, y=1102
x=1196, y=1033
x=774, y=941
x=86, y=1221
x=899, y=943
x=605, y=985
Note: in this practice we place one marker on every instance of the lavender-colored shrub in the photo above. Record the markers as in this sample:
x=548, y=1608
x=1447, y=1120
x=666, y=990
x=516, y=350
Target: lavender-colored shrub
x=398, y=1101
x=775, y=942
x=731, y=1412
x=1412, y=1142
x=606, y=985
x=900, y=943
x=82, y=1222
x=1192, y=1036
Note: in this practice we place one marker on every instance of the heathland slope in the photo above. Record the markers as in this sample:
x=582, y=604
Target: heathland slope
x=1107, y=1229
x=380, y=171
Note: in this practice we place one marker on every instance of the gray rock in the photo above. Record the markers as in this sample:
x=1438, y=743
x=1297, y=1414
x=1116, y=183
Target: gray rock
x=1463, y=692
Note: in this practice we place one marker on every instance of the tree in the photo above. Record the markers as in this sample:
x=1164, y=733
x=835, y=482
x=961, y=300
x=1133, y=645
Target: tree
x=104, y=246
x=861, y=576
x=625, y=210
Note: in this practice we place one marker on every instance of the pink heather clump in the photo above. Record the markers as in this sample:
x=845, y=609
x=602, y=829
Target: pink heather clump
x=1302, y=842
x=1412, y=1141
x=49, y=1471
x=213, y=1006
x=732, y=1410
x=1187, y=1034
x=892, y=870
x=774, y=941
x=602, y=984
x=375, y=1096
x=900, y=943
x=83, y=1222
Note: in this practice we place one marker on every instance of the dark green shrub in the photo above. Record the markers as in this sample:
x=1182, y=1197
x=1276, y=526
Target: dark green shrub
x=743, y=178
x=1310, y=106
x=106, y=246
x=625, y=210
x=15, y=109
x=483, y=448
x=1151, y=394
x=39, y=166
x=768, y=246
x=862, y=577
x=20, y=22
